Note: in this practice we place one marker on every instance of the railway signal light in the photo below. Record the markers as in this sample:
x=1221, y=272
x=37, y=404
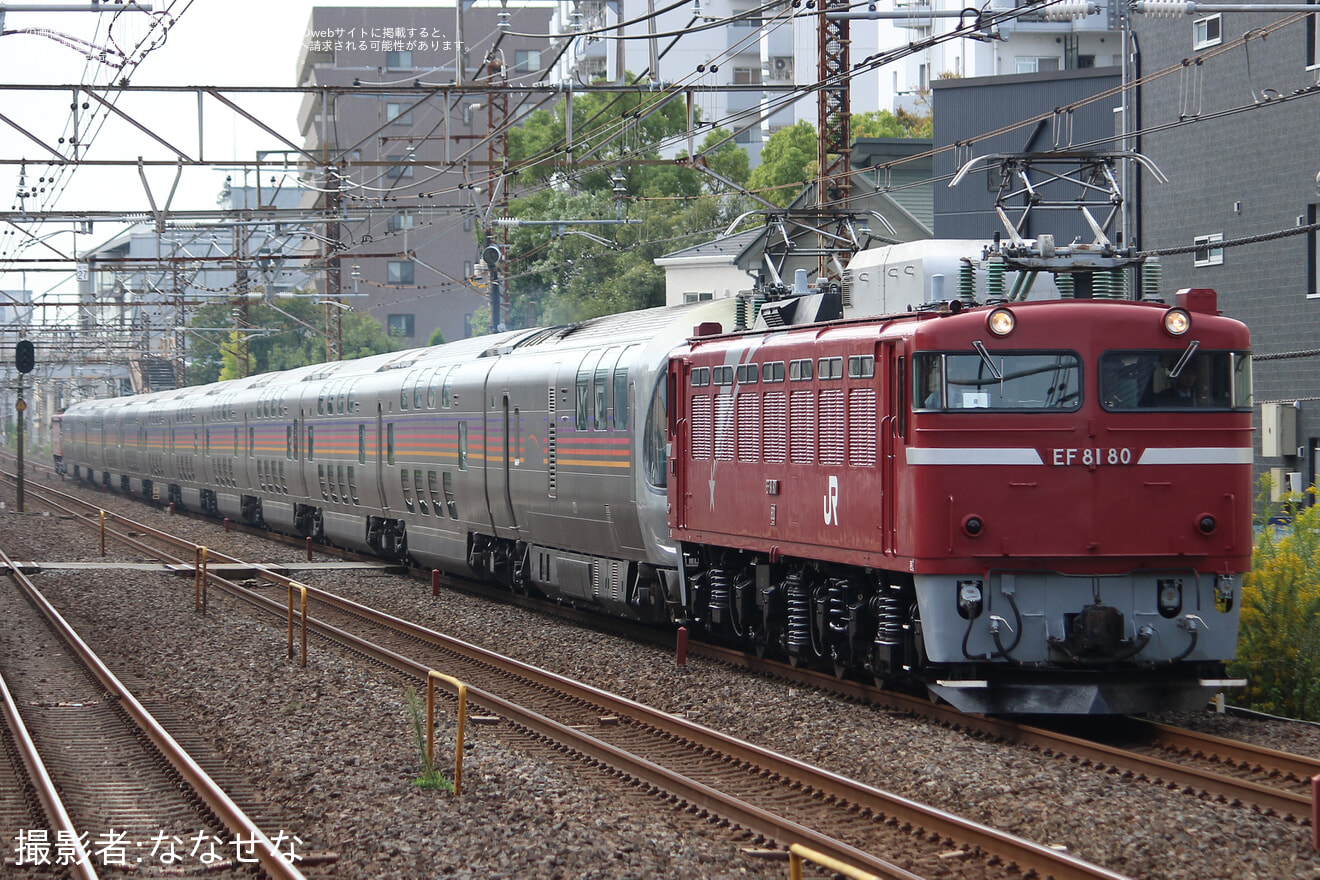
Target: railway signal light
x=25, y=356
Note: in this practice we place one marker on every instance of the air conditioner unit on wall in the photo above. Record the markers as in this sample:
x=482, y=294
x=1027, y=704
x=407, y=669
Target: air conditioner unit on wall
x=1278, y=429
x=781, y=68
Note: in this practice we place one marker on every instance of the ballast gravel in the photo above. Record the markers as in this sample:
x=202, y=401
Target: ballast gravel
x=332, y=745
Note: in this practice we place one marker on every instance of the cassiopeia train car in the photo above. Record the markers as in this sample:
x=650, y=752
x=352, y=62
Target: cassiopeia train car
x=1007, y=505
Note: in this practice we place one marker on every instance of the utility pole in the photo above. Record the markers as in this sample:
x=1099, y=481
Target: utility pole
x=334, y=315
x=833, y=109
x=497, y=151
x=242, y=318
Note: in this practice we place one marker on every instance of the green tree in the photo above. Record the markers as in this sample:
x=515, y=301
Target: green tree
x=644, y=208
x=286, y=334
x=788, y=161
x=437, y=337
x=606, y=126
x=229, y=358
x=1279, y=638
x=789, y=158
x=883, y=124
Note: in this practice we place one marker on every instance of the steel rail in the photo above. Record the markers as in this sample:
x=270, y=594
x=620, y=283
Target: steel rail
x=46, y=792
x=1282, y=802
x=1299, y=767
x=1046, y=862
x=1279, y=801
x=212, y=795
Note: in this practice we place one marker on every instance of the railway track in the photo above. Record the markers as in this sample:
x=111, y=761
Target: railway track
x=1196, y=764
x=717, y=777
x=1228, y=771
x=105, y=772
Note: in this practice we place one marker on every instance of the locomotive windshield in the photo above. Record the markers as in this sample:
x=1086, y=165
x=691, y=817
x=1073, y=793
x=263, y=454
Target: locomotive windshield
x=1141, y=380
x=988, y=380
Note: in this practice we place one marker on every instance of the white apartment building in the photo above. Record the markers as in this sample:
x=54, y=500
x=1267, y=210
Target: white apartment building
x=777, y=46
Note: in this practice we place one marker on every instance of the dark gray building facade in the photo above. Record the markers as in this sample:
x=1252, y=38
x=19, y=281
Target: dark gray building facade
x=979, y=116
x=1228, y=107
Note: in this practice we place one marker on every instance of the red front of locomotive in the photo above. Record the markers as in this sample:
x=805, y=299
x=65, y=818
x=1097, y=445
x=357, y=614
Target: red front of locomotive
x=1043, y=507
x=1105, y=436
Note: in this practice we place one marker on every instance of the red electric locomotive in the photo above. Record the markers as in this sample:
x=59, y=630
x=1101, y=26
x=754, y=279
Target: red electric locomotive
x=1039, y=507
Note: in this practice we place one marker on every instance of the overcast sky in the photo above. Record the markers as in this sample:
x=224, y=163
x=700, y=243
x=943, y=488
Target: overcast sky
x=211, y=43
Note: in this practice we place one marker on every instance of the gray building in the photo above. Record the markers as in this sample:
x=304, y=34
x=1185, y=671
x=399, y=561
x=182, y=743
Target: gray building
x=1237, y=131
x=976, y=114
x=407, y=170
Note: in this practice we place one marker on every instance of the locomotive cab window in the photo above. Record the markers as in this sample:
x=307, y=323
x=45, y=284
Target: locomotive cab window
x=1142, y=380
x=982, y=379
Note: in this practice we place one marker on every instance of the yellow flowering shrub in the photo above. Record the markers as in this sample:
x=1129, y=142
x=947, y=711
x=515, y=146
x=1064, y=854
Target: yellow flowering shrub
x=1279, y=640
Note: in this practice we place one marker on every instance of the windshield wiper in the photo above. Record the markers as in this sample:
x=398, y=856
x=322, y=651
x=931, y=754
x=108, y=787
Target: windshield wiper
x=985, y=358
x=1185, y=359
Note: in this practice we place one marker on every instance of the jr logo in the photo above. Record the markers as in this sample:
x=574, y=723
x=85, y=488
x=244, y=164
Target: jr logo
x=831, y=503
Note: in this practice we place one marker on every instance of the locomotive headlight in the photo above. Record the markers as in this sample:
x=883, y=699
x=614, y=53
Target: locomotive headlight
x=1205, y=524
x=1177, y=322
x=1001, y=322
x=1170, y=596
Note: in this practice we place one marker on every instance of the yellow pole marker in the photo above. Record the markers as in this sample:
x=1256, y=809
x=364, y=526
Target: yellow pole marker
x=797, y=854
x=431, y=677
x=103, y=533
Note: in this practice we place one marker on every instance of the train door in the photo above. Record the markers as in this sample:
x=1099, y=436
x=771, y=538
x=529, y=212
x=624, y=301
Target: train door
x=381, y=453
x=501, y=447
x=300, y=454
x=893, y=433
x=208, y=474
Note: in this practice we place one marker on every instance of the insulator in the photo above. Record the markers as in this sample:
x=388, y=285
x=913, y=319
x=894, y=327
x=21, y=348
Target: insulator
x=720, y=595
x=1064, y=281
x=1151, y=276
x=994, y=279
x=1117, y=284
x=1164, y=8
x=758, y=300
x=1099, y=285
x=740, y=313
x=966, y=282
x=1069, y=11
x=799, y=615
